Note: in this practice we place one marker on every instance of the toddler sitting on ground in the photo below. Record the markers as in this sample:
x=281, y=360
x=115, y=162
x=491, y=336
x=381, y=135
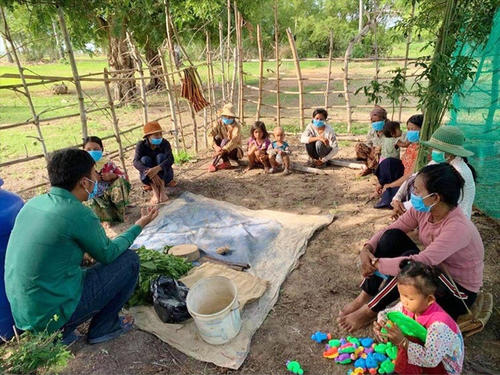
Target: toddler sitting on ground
x=279, y=152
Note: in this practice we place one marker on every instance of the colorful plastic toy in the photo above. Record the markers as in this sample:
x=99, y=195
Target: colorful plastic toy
x=361, y=363
x=407, y=325
x=366, y=342
x=386, y=367
x=319, y=337
x=343, y=359
x=392, y=352
x=353, y=340
x=294, y=367
x=334, y=343
x=356, y=371
x=347, y=348
x=331, y=353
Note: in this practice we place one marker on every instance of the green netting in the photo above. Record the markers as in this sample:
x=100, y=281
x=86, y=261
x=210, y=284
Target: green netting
x=477, y=114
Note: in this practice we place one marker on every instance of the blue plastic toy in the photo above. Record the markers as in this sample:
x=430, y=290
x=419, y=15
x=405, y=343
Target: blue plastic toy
x=319, y=337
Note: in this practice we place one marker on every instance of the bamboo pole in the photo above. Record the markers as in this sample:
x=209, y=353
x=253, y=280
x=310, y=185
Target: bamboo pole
x=115, y=121
x=138, y=65
x=74, y=70
x=277, y=57
x=261, y=71
x=228, y=49
x=171, y=58
x=36, y=120
x=211, y=97
x=407, y=53
x=171, y=101
x=205, y=126
x=195, y=128
x=299, y=77
x=329, y=77
x=238, y=18
x=347, y=56
x=375, y=46
x=235, y=73
x=221, y=51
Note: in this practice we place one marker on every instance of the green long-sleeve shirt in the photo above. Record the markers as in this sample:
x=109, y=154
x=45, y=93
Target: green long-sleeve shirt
x=43, y=276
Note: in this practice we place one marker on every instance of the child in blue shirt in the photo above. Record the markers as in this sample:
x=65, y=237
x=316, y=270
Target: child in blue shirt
x=279, y=152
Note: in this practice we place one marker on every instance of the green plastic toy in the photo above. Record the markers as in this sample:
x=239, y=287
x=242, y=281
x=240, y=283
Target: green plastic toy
x=386, y=367
x=334, y=343
x=407, y=325
x=392, y=351
x=353, y=340
x=294, y=367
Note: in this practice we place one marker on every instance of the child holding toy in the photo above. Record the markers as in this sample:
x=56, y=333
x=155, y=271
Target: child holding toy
x=279, y=152
x=443, y=350
x=257, y=147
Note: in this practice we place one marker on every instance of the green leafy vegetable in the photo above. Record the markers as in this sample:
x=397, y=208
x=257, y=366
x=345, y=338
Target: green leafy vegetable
x=153, y=264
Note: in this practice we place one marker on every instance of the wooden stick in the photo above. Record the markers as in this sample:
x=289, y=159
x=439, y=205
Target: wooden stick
x=299, y=77
x=347, y=56
x=261, y=72
x=235, y=73
x=298, y=167
x=277, y=57
x=205, y=125
x=407, y=52
x=241, y=82
x=74, y=70
x=211, y=92
x=375, y=46
x=221, y=51
x=115, y=122
x=171, y=101
x=195, y=128
x=36, y=120
x=228, y=49
x=138, y=65
x=330, y=52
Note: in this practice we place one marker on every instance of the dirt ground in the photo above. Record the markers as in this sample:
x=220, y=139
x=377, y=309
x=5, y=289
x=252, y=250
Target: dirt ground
x=325, y=279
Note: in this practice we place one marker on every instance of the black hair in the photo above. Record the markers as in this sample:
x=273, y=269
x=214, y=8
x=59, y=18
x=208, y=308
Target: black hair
x=390, y=128
x=444, y=180
x=472, y=169
x=320, y=111
x=94, y=139
x=417, y=120
x=67, y=167
x=423, y=277
x=262, y=127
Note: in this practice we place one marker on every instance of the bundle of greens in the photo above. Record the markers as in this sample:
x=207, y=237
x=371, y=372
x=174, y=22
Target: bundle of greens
x=153, y=264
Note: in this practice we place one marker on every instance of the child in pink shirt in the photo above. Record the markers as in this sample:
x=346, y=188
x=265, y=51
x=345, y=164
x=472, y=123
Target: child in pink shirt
x=443, y=350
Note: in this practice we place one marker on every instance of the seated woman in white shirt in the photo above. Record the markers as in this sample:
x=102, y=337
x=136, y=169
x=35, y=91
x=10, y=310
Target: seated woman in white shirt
x=320, y=139
x=447, y=147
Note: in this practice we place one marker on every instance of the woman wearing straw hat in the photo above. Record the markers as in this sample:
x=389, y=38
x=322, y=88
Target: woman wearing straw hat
x=226, y=139
x=154, y=159
x=447, y=147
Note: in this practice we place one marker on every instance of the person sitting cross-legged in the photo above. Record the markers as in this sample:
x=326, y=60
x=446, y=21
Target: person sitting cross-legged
x=52, y=232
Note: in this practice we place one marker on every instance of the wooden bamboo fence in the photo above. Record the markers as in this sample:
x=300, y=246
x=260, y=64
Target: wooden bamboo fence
x=218, y=88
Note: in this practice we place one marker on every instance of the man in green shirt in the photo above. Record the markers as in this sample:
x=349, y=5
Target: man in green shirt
x=52, y=232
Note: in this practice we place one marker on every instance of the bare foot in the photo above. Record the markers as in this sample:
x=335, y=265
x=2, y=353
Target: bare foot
x=362, y=299
x=172, y=183
x=357, y=319
x=163, y=198
x=153, y=201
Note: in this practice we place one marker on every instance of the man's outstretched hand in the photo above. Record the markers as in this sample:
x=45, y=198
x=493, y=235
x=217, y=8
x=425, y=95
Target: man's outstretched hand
x=147, y=216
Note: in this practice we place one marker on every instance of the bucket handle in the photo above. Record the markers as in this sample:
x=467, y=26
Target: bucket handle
x=236, y=307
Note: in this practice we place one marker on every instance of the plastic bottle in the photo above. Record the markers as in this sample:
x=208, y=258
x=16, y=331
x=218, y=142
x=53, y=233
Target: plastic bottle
x=10, y=205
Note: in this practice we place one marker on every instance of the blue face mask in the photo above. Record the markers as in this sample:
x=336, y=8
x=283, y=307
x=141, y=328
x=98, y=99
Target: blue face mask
x=318, y=123
x=378, y=125
x=413, y=136
x=418, y=203
x=438, y=156
x=96, y=154
x=156, y=141
x=227, y=121
x=93, y=193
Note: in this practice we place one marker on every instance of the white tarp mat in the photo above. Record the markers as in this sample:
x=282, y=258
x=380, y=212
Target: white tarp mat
x=270, y=241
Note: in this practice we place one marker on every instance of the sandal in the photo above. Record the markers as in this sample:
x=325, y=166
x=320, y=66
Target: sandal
x=124, y=328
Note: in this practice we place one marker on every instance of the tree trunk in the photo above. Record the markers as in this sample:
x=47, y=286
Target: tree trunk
x=154, y=64
x=119, y=59
x=59, y=46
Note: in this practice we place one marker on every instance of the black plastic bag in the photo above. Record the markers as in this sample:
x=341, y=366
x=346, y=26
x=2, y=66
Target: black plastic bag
x=169, y=299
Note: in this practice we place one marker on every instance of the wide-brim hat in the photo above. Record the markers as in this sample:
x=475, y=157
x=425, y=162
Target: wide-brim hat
x=449, y=139
x=152, y=127
x=227, y=110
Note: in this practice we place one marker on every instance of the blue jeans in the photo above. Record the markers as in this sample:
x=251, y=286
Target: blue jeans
x=166, y=174
x=106, y=288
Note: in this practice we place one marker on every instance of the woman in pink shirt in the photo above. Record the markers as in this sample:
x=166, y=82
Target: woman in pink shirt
x=451, y=242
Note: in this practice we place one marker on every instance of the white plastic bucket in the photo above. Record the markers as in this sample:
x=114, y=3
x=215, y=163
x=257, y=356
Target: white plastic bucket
x=213, y=304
